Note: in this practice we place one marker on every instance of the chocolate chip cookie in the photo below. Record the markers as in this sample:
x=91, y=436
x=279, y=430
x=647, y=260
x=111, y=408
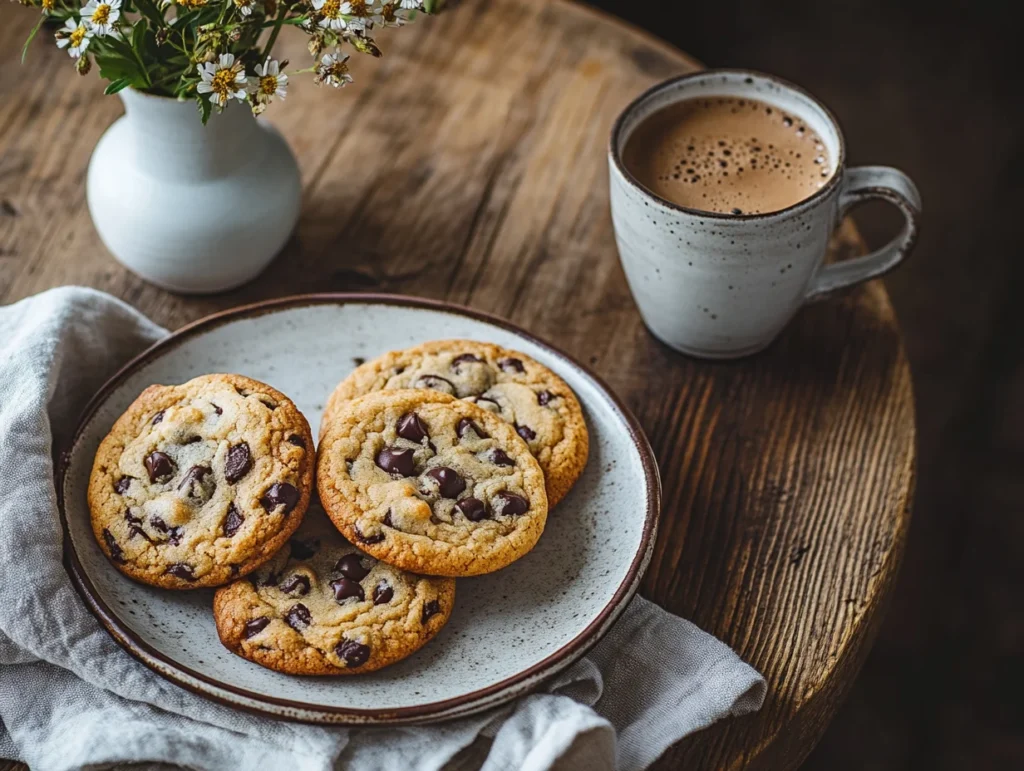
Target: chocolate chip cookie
x=525, y=393
x=430, y=483
x=323, y=607
x=200, y=483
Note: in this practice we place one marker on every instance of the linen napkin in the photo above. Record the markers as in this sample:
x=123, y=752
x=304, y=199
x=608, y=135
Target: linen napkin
x=71, y=698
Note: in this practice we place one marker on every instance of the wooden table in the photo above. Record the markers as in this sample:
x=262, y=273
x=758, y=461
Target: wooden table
x=469, y=165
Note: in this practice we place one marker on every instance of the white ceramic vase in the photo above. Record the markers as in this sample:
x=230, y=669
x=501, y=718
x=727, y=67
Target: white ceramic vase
x=192, y=208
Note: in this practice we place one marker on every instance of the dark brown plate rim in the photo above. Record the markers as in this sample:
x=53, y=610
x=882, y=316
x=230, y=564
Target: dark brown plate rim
x=480, y=699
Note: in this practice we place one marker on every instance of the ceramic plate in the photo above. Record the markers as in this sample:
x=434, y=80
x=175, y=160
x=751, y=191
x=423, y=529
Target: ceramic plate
x=509, y=631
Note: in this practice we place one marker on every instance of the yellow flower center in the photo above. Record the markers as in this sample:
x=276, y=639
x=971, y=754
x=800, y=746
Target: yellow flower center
x=268, y=85
x=48, y=5
x=331, y=9
x=76, y=37
x=192, y=3
x=388, y=11
x=358, y=7
x=101, y=15
x=223, y=83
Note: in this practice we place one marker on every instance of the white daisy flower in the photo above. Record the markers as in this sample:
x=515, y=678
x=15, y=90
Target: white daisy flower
x=389, y=15
x=74, y=37
x=359, y=13
x=411, y=5
x=330, y=10
x=269, y=83
x=333, y=70
x=223, y=81
x=245, y=6
x=101, y=15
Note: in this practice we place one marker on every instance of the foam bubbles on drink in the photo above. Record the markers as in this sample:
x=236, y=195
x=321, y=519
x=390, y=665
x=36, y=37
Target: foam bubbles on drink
x=728, y=155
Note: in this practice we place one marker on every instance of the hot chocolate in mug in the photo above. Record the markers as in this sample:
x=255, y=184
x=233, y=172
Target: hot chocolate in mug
x=722, y=282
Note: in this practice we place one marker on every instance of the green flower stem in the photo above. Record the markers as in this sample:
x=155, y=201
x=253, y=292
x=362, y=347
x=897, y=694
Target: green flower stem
x=135, y=54
x=281, y=12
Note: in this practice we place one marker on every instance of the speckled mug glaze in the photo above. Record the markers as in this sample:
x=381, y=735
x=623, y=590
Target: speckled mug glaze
x=723, y=285
x=508, y=631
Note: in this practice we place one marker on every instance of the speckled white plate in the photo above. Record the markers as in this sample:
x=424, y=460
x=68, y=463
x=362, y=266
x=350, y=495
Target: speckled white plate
x=509, y=631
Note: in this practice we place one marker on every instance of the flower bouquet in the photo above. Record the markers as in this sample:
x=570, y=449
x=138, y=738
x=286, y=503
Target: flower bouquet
x=238, y=177
x=217, y=51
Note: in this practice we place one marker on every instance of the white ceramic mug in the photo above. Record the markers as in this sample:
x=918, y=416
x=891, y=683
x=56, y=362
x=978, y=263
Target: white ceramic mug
x=722, y=285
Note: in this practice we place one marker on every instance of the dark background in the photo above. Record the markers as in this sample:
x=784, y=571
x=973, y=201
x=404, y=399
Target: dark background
x=934, y=89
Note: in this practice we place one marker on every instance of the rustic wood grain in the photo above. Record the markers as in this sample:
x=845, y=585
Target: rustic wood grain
x=469, y=165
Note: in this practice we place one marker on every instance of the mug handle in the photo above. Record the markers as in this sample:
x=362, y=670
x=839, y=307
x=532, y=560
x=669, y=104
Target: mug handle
x=862, y=184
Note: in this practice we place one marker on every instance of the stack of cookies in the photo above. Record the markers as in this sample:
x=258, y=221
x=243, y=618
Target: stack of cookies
x=435, y=462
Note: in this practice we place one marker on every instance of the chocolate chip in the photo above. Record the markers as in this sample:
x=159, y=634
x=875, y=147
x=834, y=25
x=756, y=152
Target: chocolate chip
x=297, y=440
x=410, y=427
x=352, y=653
x=233, y=521
x=499, y=457
x=512, y=505
x=173, y=533
x=449, y=483
x=396, y=461
x=370, y=539
x=430, y=610
x=473, y=509
x=298, y=617
x=351, y=566
x=543, y=397
x=526, y=432
x=193, y=479
x=132, y=518
x=159, y=466
x=116, y=553
x=238, y=462
x=297, y=585
x=387, y=519
x=254, y=627
x=512, y=365
x=157, y=418
x=382, y=593
x=280, y=494
x=434, y=383
x=488, y=404
x=135, y=530
x=182, y=571
x=193, y=440
x=465, y=425
x=266, y=401
x=465, y=358
x=122, y=485
x=217, y=409
x=345, y=588
x=302, y=550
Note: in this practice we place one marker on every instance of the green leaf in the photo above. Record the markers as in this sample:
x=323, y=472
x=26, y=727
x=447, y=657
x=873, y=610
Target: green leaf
x=120, y=47
x=113, y=67
x=31, y=35
x=118, y=85
x=138, y=37
x=148, y=9
x=205, y=107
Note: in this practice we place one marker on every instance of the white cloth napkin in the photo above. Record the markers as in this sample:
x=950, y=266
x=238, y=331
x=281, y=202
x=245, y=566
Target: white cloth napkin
x=71, y=698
